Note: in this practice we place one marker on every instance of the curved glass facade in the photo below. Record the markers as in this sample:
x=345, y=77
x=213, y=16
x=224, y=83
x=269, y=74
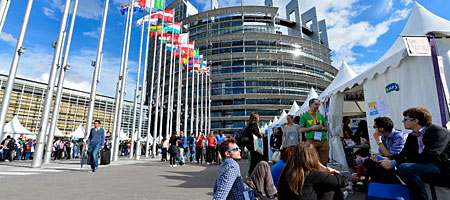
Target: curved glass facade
x=255, y=67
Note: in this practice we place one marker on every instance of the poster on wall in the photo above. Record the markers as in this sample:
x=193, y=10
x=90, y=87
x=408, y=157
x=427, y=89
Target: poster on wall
x=378, y=107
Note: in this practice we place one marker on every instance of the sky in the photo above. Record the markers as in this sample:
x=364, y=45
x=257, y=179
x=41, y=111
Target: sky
x=359, y=32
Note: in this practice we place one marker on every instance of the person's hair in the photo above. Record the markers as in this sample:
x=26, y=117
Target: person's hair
x=174, y=133
x=254, y=117
x=302, y=161
x=385, y=123
x=311, y=101
x=421, y=114
x=280, y=130
x=220, y=131
x=224, y=146
x=297, y=120
x=286, y=153
x=211, y=134
x=97, y=121
x=362, y=128
x=345, y=119
x=8, y=136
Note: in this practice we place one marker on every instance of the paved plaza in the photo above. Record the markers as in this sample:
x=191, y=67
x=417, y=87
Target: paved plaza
x=125, y=179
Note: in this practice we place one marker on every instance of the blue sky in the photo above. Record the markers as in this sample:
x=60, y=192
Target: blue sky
x=360, y=32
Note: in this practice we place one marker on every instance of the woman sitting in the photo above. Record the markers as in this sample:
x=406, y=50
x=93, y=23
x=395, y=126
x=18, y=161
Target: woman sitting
x=304, y=178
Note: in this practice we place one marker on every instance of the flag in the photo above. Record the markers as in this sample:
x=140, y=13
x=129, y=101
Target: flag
x=175, y=27
x=159, y=4
x=137, y=7
x=167, y=15
x=184, y=38
x=147, y=18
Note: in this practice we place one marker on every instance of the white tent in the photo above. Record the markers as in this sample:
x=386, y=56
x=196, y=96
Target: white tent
x=15, y=127
x=412, y=77
x=122, y=135
x=79, y=132
x=292, y=111
x=283, y=115
x=312, y=94
x=58, y=133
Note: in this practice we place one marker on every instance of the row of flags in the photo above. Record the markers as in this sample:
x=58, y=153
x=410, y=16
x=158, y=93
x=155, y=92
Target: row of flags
x=162, y=25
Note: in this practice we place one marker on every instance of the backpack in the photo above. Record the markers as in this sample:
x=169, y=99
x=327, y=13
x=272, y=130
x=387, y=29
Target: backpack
x=11, y=144
x=243, y=138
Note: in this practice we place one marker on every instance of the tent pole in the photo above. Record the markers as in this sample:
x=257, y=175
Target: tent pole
x=437, y=77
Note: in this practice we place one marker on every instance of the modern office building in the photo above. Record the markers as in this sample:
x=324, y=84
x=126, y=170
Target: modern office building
x=27, y=102
x=260, y=61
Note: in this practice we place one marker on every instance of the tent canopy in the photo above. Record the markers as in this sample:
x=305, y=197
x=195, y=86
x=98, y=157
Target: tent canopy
x=79, y=132
x=420, y=22
x=292, y=111
x=312, y=94
x=15, y=127
x=122, y=135
x=345, y=74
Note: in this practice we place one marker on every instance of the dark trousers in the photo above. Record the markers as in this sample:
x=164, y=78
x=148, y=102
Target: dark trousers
x=210, y=153
x=191, y=153
x=164, y=154
x=416, y=174
x=173, y=157
x=8, y=154
x=255, y=158
x=68, y=149
x=198, y=154
x=378, y=174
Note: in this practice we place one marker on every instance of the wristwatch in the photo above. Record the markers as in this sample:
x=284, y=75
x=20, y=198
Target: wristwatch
x=379, y=142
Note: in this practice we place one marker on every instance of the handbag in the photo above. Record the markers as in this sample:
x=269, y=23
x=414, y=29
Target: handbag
x=276, y=156
x=387, y=191
x=258, y=145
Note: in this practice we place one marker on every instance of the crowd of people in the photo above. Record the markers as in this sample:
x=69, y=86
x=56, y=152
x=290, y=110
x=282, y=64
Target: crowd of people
x=416, y=158
x=16, y=149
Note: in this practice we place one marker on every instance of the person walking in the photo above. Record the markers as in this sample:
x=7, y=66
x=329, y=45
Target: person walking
x=173, y=148
x=164, y=147
x=253, y=130
x=95, y=142
x=181, y=144
x=199, y=148
x=315, y=126
x=8, y=149
x=211, y=146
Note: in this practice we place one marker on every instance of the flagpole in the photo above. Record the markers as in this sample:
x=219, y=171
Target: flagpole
x=123, y=79
x=37, y=159
x=163, y=74
x=13, y=70
x=169, y=90
x=144, y=86
x=136, y=96
x=158, y=87
x=63, y=68
x=155, y=43
x=172, y=94
x=209, y=99
x=115, y=131
x=96, y=74
x=186, y=106
x=206, y=102
x=197, y=101
x=192, y=95
x=4, y=6
x=180, y=77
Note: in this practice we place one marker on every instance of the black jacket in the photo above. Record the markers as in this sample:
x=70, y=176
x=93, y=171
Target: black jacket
x=253, y=129
x=437, y=149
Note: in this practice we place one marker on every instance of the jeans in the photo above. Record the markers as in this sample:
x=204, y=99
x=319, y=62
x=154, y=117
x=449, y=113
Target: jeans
x=93, y=155
x=415, y=174
x=191, y=153
x=27, y=155
x=181, y=155
x=164, y=153
x=199, y=154
x=18, y=154
x=210, y=154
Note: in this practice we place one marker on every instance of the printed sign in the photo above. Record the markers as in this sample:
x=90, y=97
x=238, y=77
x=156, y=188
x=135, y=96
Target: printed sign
x=378, y=107
x=392, y=87
x=417, y=46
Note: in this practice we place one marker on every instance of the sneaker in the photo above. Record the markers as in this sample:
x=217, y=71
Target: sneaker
x=175, y=166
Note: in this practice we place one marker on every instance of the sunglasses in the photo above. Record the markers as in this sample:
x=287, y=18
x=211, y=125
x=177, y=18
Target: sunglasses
x=406, y=118
x=374, y=127
x=236, y=148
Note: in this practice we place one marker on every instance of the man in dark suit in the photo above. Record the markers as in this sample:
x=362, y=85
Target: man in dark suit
x=426, y=155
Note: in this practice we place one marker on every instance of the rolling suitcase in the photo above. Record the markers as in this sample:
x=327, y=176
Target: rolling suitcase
x=105, y=157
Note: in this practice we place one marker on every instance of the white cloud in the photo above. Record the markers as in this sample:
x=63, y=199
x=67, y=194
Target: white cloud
x=90, y=9
x=50, y=13
x=8, y=38
x=92, y=34
x=406, y=2
x=35, y=65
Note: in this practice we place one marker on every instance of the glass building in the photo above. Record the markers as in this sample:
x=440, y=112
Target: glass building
x=260, y=61
x=27, y=102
